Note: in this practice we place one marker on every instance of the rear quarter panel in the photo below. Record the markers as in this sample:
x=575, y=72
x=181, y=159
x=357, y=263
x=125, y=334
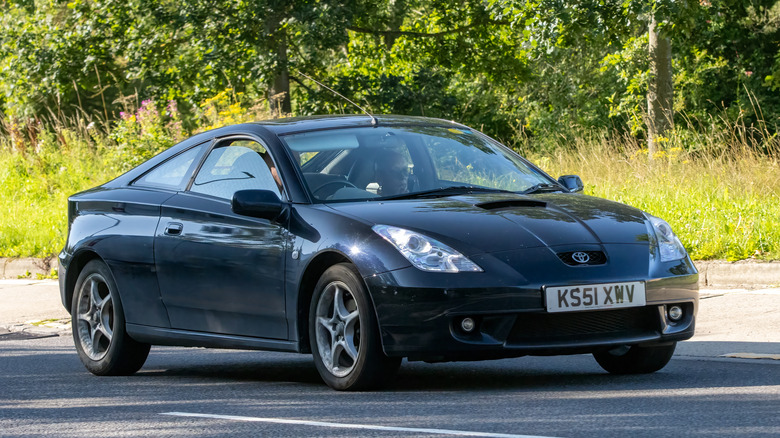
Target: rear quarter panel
x=118, y=226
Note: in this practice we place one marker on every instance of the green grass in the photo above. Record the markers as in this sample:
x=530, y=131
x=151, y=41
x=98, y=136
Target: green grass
x=42, y=164
x=34, y=186
x=719, y=190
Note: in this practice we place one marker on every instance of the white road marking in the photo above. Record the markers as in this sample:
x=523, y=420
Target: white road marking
x=350, y=426
x=752, y=356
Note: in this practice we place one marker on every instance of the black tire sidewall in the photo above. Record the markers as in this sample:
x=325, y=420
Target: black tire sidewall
x=115, y=361
x=637, y=360
x=366, y=372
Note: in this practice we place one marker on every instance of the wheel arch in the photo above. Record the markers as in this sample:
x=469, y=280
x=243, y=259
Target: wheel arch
x=318, y=265
x=76, y=265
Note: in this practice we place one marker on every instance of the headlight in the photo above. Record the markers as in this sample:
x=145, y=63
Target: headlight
x=668, y=244
x=425, y=253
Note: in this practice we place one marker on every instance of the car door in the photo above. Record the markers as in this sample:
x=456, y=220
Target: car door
x=220, y=272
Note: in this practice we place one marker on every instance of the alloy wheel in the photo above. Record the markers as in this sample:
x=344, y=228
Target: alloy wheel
x=95, y=316
x=338, y=329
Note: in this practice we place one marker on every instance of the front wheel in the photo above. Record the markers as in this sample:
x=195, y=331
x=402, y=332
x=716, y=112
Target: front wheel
x=98, y=324
x=344, y=333
x=635, y=359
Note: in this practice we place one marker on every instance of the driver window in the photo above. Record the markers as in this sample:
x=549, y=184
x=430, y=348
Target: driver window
x=237, y=165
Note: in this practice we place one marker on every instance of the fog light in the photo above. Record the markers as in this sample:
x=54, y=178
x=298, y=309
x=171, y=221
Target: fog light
x=467, y=324
x=675, y=313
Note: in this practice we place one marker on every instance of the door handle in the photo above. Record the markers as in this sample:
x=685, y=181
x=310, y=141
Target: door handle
x=174, y=229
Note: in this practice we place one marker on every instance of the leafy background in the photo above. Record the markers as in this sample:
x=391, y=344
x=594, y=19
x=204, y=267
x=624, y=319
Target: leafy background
x=88, y=89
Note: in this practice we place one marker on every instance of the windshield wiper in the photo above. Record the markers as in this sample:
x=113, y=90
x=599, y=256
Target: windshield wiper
x=446, y=191
x=543, y=187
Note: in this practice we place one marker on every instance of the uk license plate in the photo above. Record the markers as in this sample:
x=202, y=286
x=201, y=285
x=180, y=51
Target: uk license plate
x=595, y=296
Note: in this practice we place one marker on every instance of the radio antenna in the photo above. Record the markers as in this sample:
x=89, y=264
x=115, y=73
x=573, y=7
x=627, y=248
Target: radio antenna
x=373, y=119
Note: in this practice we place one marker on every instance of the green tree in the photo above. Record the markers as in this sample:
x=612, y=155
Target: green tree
x=96, y=52
x=531, y=69
x=731, y=61
x=51, y=62
x=442, y=59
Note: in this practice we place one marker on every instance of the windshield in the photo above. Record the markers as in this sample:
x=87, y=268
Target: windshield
x=408, y=161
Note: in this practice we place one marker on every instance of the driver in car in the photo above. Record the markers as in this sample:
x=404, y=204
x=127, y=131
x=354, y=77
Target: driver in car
x=392, y=173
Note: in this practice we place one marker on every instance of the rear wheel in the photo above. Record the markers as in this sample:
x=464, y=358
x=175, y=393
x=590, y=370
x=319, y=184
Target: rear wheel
x=344, y=334
x=635, y=359
x=98, y=324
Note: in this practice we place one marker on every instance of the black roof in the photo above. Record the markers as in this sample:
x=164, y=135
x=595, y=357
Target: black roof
x=313, y=123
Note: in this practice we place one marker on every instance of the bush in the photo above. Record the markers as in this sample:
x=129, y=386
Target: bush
x=714, y=181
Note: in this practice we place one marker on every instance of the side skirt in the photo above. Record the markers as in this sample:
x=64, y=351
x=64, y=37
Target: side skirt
x=186, y=338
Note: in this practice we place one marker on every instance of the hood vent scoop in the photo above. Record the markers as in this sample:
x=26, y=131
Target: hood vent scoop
x=511, y=203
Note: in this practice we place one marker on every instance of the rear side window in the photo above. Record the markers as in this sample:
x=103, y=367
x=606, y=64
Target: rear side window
x=173, y=173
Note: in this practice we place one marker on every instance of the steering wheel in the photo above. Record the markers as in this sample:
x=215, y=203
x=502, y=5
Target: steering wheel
x=342, y=183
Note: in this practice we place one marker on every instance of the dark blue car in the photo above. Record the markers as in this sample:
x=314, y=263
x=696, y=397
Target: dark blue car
x=365, y=240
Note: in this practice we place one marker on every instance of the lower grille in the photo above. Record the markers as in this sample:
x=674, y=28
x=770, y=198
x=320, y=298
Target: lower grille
x=543, y=328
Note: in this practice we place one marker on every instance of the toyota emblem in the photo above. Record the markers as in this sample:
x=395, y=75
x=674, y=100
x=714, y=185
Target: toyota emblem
x=580, y=257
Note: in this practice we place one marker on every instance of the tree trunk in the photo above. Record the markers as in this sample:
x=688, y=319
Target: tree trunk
x=279, y=93
x=660, y=91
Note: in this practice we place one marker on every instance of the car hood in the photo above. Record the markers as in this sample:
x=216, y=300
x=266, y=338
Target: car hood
x=489, y=223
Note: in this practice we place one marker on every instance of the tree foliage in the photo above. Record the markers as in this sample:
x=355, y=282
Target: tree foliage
x=530, y=69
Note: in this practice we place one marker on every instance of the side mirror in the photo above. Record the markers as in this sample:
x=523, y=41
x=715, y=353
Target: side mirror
x=263, y=204
x=573, y=183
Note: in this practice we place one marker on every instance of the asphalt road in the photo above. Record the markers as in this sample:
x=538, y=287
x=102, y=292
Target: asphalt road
x=46, y=392
x=706, y=390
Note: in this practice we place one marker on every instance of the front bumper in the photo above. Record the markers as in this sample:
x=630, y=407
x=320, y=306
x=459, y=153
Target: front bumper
x=420, y=313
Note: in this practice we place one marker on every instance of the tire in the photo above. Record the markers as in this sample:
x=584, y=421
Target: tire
x=635, y=359
x=98, y=324
x=344, y=334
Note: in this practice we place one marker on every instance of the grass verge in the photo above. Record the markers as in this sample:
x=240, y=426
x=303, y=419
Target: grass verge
x=718, y=190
